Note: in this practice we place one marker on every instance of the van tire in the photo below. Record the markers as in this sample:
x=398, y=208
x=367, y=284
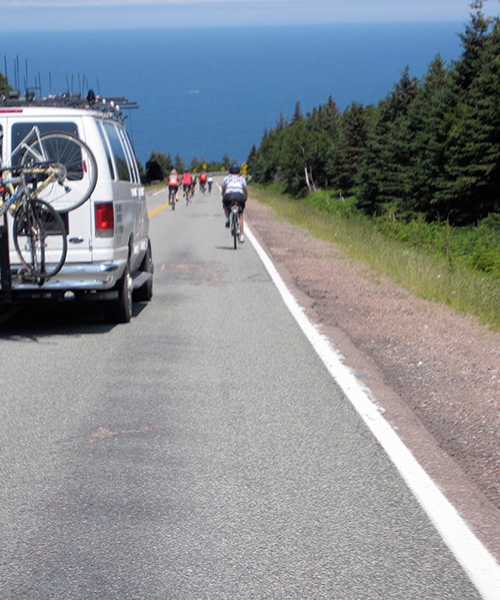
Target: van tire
x=145, y=292
x=120, y=310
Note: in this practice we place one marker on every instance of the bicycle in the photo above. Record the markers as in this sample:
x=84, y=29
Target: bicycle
x=172, y=196
x=234, y=222
x=65, y=151
x=55, y=172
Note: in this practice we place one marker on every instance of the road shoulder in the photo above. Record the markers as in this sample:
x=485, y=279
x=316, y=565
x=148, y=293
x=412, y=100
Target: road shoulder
x=434, y=374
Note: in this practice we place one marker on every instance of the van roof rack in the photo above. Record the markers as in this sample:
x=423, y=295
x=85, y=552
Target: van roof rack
x=109, y=105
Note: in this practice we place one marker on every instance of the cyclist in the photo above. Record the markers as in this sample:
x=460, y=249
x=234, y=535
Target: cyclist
x=173, y=186
x=210, y=182
x=203, y=181
x=193, y=185
x=234, y=189
x=187, y=181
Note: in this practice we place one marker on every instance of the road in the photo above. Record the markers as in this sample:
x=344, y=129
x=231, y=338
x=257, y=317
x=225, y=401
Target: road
x=201, y=451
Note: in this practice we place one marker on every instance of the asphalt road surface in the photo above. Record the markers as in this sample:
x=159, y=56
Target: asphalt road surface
x=202, y=451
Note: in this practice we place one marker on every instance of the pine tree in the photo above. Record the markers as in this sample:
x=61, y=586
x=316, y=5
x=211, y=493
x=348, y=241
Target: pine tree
x=4, y=84
x=473, y=42
x=179, y=163
x=328, y=118
x=297, y=115
x=429, y=121
x=383, y=175
x=467, y=190
x=346, y=158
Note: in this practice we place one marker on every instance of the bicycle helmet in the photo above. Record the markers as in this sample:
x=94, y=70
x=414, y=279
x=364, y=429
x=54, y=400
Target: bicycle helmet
x=173, y=172
x=234, y=168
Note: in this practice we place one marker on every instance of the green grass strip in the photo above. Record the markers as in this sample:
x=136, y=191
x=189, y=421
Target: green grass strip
x=421, y=272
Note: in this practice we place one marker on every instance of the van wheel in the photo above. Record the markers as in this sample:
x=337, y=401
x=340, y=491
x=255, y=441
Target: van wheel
x=145, y=292
x=120, y=310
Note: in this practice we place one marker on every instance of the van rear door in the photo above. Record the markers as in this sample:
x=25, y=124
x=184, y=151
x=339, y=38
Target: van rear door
x=78, y=222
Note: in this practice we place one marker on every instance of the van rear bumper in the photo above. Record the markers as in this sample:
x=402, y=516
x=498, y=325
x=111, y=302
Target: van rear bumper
x=80, y=279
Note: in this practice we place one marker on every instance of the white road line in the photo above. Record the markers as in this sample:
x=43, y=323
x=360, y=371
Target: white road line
x=477, y=562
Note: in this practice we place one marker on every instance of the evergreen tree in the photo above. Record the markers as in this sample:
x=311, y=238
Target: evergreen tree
x=165, y=162
x=179, y=163
x=473, y=42
x=297, y=116
x=302, y=157
x=328, y=118
x=429, y=118
x=282, y=123
x=265, y=165
x=467, y=188
x=4, y=84
x=346, y=158
x=252, y=157
x=383, y=175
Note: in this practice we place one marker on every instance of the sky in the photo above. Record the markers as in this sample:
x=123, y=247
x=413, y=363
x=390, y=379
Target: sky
x=57, y=15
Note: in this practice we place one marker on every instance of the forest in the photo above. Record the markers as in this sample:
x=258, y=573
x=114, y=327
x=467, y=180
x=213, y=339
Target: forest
x=429, y=152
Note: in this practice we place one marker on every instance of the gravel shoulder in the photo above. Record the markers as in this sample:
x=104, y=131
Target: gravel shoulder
x=434, y=374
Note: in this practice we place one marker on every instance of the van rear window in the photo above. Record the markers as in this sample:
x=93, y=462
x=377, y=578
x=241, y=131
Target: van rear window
x=20, y=130
x=107, y=150
x=118, y=152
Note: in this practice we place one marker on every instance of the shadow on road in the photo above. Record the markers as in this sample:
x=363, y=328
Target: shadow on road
x=35, y=321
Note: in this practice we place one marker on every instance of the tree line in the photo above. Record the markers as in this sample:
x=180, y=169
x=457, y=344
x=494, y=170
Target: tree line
x=430, y=148
x=159, y=165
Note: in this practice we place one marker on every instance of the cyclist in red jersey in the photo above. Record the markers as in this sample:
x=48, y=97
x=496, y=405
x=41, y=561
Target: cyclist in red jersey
x=203, y=181
x=173, y=185
x=187, y=182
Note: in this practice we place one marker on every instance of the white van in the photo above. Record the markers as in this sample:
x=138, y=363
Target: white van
x=109, y=255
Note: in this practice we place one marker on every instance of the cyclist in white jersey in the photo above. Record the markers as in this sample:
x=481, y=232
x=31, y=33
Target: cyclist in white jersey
x=234, y=189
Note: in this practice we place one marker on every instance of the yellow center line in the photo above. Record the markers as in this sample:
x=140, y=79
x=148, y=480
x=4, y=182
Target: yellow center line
x=156, y=210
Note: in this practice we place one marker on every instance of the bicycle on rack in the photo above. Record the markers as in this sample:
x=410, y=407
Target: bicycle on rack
x=234, y=222
x=54, y=173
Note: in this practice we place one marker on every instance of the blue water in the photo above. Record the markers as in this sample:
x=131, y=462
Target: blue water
x=211, y=92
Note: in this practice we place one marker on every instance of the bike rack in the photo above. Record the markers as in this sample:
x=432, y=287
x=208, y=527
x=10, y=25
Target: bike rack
x=5, y=278
x=111, y=106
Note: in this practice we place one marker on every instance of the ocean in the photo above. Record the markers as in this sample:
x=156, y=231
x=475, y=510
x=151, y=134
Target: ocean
x=207, y=92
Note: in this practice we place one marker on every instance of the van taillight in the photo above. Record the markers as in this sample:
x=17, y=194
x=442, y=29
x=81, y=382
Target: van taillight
x=104, y=219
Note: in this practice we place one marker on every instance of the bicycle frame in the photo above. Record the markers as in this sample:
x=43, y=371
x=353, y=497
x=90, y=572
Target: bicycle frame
x=19, y=193
x=23, y=145
x=13, y=193
x=235, y=222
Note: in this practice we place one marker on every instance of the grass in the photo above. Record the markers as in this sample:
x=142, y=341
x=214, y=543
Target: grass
x=422, y=272
x=155, y=186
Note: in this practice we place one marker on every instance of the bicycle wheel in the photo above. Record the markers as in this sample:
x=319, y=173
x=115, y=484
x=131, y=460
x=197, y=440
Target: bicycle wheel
x=77, y=165
x=234, y=228
x=40, y=238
